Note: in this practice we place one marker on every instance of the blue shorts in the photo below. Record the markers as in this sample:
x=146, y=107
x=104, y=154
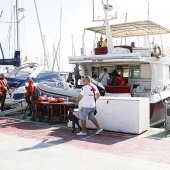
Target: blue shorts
x=85, y=111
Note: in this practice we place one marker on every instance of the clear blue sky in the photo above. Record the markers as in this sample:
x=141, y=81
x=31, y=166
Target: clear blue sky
x=76, y=15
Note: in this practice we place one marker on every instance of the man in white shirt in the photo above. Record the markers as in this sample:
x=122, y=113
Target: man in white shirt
x=104, y=77
x=88, y=95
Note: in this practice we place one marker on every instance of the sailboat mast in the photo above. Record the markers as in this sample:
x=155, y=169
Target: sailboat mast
x=59, y=58
x=45, y=54
x=18, y=48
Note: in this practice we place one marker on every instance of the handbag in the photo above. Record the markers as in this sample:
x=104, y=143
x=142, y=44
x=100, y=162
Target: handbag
x=95, y=111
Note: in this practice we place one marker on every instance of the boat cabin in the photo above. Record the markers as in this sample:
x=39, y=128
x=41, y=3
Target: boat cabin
x=137, y=76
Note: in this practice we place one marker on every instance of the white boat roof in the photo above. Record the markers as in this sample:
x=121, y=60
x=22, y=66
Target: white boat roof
x=130, y=29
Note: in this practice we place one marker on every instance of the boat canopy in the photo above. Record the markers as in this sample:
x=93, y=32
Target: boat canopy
x=140, y=28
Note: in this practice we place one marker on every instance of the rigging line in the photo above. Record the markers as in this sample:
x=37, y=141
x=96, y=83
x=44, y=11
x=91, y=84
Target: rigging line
x=58, y=27
x=8, y=37
x=55, y=59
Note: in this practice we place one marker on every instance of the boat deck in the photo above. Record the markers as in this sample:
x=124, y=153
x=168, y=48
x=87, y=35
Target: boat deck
x=56, y=146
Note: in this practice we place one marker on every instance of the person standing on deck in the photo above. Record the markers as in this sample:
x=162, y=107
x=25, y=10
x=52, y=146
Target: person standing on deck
x=104, y=77
x=4, y=90
x=99, y=43
x=88, y=93
x=113, y=80
x=77, y=74
x=104, y=43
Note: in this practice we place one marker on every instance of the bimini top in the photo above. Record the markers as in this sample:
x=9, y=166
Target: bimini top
x=131, y=29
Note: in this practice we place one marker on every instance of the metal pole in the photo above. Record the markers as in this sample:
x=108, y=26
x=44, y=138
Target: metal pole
x=14, y=29
x=17, y=25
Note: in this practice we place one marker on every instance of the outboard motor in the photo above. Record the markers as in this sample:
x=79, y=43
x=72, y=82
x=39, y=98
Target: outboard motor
x=100, y=87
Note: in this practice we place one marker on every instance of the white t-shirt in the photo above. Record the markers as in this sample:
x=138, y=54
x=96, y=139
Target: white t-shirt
x=104, y=79
x=88, y=95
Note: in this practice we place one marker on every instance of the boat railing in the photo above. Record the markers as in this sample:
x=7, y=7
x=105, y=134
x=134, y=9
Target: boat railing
x=104, y=50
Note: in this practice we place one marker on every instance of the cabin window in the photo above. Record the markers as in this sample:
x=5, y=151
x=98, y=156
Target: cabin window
x=95, y=70
x=98, y=70
x=134, y=71
x=109, y=68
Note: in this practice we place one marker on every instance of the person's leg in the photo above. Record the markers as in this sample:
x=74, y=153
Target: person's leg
x=83, y=124
x=34, y=110
x=76, y=81
x=29, y=104
x=83, y=115
x=3, y=100
x=95, y=122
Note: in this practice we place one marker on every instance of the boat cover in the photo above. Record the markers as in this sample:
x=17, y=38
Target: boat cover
x=140, y=28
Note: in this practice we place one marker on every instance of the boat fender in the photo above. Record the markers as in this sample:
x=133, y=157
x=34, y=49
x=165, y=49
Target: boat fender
x=61, y=100
x=53, y=100
x=43, y=99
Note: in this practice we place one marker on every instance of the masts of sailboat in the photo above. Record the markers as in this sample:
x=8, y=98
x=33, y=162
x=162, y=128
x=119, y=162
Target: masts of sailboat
x=56, y=53
x=17, y=24
x=46, y=62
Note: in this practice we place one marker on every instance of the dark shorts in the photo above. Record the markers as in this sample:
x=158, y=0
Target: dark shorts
x=85, y=111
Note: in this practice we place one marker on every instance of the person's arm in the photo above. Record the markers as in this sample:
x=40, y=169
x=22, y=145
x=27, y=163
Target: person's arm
x=108, y=81
x=6, y=89
x=97, y=95
x=79, y=98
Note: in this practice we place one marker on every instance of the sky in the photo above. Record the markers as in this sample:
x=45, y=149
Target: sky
x=76, y=15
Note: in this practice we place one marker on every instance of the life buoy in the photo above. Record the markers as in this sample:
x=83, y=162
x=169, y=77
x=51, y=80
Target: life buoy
x=53, y=100
x=42, y=99
x=157, y=52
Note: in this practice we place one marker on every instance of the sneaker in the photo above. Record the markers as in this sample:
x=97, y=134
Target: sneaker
x=81, y=133
x=99, y=131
